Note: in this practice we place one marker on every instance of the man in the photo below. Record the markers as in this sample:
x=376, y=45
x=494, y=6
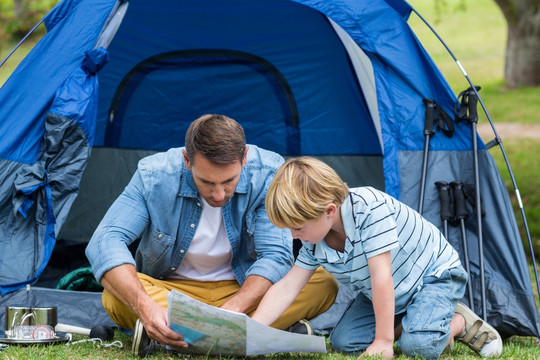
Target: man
x=199, y=214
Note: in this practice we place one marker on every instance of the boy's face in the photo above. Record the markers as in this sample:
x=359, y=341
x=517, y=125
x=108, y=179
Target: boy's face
x=313, y=231
x=216, y=183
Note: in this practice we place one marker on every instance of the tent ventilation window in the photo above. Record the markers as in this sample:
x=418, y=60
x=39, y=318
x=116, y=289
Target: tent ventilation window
x=199, y=58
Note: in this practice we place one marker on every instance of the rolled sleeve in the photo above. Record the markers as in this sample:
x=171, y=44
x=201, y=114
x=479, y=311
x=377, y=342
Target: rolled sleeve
x=273, y=247
x=123, y=223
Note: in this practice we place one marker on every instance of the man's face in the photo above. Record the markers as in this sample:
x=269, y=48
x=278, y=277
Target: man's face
x=216, y=183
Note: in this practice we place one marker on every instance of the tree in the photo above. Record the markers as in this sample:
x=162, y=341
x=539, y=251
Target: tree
x=522, y=60
x=18, y=7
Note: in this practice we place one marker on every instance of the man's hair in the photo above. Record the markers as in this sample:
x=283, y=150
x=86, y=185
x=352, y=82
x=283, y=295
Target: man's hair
x=300, y=191
x=218, y=138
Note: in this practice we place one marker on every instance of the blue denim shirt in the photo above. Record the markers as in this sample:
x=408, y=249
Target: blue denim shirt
x=161, y=206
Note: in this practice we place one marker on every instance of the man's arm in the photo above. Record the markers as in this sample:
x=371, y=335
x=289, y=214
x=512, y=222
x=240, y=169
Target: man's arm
x=122, y=282
x=382, y=291
x=114, y=266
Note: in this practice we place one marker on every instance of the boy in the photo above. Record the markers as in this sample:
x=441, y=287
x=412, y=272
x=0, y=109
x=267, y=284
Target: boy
x=408, y=276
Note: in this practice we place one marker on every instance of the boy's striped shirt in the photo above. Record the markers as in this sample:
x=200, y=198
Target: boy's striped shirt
x=375, y=223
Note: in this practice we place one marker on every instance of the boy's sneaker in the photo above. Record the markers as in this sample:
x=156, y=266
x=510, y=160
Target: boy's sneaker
x=142, y=345
x=478, y=334
x=301, y=327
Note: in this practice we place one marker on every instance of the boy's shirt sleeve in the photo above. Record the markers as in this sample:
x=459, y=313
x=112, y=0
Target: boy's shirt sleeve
x=378, y=229
x=306, y=260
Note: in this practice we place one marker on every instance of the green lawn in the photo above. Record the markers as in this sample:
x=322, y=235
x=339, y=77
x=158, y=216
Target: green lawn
x=521, y=348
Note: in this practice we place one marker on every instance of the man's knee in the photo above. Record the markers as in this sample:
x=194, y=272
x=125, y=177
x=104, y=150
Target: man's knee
x=109, y=301
x=323, y=284
x=119, y=313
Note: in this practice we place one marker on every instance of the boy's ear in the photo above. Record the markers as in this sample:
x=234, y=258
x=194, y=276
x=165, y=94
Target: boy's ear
x=331, y=210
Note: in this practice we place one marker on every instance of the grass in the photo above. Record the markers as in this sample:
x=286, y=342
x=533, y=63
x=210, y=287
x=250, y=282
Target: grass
x=514, y=348
x=477, y=37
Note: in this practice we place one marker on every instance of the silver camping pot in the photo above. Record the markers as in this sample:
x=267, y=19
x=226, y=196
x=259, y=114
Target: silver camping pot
x=30, y=322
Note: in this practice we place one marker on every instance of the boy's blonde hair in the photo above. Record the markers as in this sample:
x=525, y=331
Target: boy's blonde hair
x=300, y=191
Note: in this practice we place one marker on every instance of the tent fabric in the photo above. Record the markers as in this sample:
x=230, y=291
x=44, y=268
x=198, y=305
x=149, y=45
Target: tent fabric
x=51, y=183
x=340, y=80
x=226, y=78
x=31, y=90
x=499, y=283
x=75, y=308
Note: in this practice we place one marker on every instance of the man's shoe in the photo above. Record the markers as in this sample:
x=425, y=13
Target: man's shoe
x=478, y=334
x=301, y=327
x=142, y=345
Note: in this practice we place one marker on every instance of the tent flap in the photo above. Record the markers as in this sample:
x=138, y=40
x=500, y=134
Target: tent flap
x=44, y=191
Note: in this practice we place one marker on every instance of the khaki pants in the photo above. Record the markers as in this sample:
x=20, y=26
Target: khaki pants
x=314, y=299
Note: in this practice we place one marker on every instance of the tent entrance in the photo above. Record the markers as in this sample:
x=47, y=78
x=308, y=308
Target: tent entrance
x=161, y=95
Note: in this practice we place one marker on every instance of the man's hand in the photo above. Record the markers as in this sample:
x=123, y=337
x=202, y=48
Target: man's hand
x=383, y=348
x=122, y=282
x=154, y=320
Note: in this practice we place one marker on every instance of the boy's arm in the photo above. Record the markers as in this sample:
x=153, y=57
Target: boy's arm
x=281, y=295
x=382, y=290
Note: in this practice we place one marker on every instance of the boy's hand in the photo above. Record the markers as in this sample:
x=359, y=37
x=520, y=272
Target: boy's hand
x=385, y=349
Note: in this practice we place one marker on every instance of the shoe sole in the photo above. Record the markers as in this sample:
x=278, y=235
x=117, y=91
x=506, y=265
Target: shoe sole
x=308, y=326
x=137, y=336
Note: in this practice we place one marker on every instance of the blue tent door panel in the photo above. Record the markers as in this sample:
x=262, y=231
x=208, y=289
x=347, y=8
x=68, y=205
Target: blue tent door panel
x=156, y=101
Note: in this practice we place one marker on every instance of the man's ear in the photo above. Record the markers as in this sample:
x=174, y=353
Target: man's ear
x=244, y=159
x=186, y=160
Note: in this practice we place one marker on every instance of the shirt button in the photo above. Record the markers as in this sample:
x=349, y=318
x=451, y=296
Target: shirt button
x=198, y=204
x=172, y=269
x=192, y=225
x=181, y=251
x=160, y=236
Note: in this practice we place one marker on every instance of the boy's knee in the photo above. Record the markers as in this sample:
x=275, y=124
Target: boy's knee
x=342, y=343
x=418, y=344
x=339, y=343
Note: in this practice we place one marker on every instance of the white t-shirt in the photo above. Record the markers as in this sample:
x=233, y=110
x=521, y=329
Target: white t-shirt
x=209, y=255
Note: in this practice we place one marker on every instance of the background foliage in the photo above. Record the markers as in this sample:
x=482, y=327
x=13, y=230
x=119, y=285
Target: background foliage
x=17, y=17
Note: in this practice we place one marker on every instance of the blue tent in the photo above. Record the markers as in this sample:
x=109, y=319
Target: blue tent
x=113, y=81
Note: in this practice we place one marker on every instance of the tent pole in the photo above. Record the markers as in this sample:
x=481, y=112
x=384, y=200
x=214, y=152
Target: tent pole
x=428, y=133
x=497, y=140
x=461, y=214
x=20, y=42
